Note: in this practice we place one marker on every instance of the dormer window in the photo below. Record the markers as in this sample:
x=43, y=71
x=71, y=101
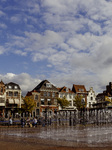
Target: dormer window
x=66, y=89
x=9, y=86
x=48, y=85
x=15, y=87
x=81, y=90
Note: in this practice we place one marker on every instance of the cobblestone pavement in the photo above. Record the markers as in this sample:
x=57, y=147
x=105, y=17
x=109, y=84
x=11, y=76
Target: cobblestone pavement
x=57, y=137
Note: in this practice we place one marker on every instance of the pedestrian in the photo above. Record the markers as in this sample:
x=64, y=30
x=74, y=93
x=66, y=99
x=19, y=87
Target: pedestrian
x=34, y=122
x=28, y=122
x=22, y=122
x=10, y=121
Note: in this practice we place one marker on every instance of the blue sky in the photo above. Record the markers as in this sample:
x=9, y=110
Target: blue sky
x=66, y=42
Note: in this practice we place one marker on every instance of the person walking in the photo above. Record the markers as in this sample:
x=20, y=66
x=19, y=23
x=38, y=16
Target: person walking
x=10, y=121
x=28, y=122
x=22, y=122
x=34, y=122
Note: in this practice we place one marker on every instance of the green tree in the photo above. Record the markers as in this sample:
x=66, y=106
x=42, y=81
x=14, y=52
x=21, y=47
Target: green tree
x=28, y=105
x=78, y=102
x=63, y=102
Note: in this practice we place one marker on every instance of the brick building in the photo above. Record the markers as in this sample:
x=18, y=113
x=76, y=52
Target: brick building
x=80, y=90
x=47, y=97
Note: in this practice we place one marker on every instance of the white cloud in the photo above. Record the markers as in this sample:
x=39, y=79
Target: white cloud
x=19, y=52
x=2, y=13
x=15, y=19
x=3, y=26
x=2, y=50
x=47, y=40
x=31, y=7
x=74, y=38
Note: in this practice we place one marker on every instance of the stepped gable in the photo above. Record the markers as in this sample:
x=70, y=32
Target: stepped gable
x=42, y=85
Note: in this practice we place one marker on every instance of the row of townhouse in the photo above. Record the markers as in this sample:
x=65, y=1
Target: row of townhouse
x=45, y=94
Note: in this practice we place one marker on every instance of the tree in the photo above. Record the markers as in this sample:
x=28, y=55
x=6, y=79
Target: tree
x=78, y=102
x=63, y=102
x=28, y=105
x=108, y=99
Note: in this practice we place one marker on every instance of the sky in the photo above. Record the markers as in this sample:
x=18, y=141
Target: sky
x=64, y=41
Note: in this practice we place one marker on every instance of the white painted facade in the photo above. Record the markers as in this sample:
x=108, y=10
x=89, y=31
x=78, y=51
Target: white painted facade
x=69, y=95
x=91, y=98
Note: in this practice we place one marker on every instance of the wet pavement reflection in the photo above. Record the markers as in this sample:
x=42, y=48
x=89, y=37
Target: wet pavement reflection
x=89, y=135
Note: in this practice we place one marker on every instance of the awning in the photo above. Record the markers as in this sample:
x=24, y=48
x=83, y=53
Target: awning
x=11, y=101
x=42, y=99
x=17, y=101
x=48, y=100
x=2, y=104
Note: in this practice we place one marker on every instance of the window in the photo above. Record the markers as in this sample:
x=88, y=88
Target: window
x=45, y=93
x=48, y=85
x=48, y=94
x=49, y=101
x=55, y=101
x=1, y=90
x=91, y=98
x=67, y=90
x=10, y=93
x=37, y=104
x=70, y=103
x=53, y=94
x=89, y=104
x=81, y=90
x=15, y=93
x=42, y=101
x=9, y=86
x=15, y=87
x=61, y=95
x=36, y=97
x=70, y=96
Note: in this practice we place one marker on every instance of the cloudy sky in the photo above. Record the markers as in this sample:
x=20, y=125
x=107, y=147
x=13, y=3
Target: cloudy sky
x=64, y=41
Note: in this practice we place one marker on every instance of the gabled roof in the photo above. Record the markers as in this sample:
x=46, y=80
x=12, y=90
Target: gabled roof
x=1, y=82
x=78, y=88
x=12, y=84
x=65, y=90
x=42, y=85
x=29, y=93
